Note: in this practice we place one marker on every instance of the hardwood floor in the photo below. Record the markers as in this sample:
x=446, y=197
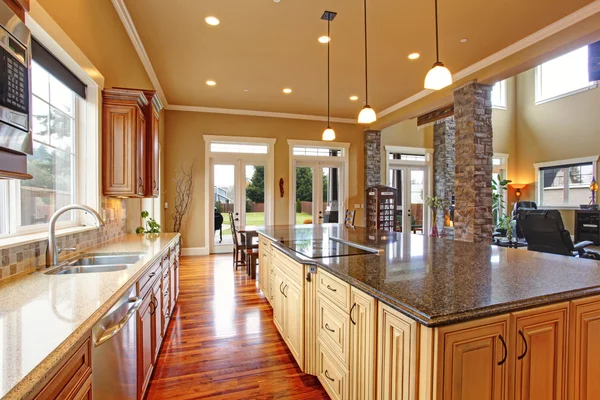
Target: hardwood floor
x=222, y=344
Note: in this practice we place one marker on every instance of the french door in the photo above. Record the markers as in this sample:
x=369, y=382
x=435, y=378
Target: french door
x=238, y=188
x=319, y=192
x=412, y=183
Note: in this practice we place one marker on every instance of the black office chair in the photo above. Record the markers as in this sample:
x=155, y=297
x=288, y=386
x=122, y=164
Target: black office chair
x=520, y=206
x=545, y=232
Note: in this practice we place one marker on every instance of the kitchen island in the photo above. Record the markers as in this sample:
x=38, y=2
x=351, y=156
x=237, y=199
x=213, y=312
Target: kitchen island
x=387, y=315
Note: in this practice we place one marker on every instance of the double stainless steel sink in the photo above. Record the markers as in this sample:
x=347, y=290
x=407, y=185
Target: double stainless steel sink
x=96, y=263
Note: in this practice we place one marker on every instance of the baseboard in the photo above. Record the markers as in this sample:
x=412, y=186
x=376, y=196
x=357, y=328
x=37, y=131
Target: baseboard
x=194, y=251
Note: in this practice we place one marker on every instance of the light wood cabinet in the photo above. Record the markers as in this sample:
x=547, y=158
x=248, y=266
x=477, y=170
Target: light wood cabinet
x=265, y=273
x=473, y=359
x=145, y=345
x=362, y=345
x=584, y=349
x=123, y=143
x=294, y=320
x=397, y=355
x=278, y=301
x=333, y=378
x=539, y=340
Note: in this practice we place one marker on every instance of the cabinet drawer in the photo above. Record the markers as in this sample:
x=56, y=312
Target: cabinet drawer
x=264, y=244
x=71, y=377
x=333, y=377
x=291, y=268
x=147, y=279
x=334, y=290
x=334, y=329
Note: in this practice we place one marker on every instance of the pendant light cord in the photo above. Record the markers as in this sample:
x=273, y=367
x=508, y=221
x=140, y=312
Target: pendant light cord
x=328, y=73
x=437, y=46
x=366, y=64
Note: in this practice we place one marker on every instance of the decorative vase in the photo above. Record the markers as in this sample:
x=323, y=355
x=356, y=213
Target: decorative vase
x=434, y=230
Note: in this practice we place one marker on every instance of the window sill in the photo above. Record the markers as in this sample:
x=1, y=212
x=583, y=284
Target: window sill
x=548, y=207
x=20, y=239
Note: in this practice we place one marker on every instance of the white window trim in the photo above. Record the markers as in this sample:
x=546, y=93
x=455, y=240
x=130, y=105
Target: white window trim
x=495, y=171
x=503, y=97
x=342, y=160
x=538, y=89
x=87, y=169
x=549, y=164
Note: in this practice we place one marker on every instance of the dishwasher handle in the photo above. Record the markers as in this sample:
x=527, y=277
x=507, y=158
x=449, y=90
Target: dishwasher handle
x=111, y=331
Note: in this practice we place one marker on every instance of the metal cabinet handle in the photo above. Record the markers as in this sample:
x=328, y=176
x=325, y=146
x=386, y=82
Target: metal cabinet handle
x=351, y=319
x=332, y=289
x=111, y=331
x=328, y=377
x=280, y=290
x=154, y=183
x=153, y=308
x=505, y=350
x=524, y=341
x=151, y=274
x=328, y=328
x=141, y=184
x=285, y=287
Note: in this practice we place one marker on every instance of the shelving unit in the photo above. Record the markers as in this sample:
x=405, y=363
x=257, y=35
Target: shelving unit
x=381, y=208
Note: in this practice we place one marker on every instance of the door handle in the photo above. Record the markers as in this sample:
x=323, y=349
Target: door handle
x=111, y=331
x=352, y=309
x=505, y=350
x=283, y=292
x=525, y=342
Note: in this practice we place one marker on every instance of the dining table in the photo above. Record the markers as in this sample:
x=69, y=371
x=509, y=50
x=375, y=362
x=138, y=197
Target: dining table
x=249, y=233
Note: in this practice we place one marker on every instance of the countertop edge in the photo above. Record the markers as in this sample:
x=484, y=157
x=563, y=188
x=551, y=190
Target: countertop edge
x=31, y=383
x=433, y=321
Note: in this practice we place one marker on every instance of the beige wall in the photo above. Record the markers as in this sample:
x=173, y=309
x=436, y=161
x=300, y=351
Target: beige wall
x=185, y=143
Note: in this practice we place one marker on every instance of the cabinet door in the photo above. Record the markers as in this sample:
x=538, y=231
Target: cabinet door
x=584, y=349
x=474, y=360
x=278, y=300
x=140, y=154
x=119, y=149
x=362, y=345
x=145, y=349
x=265, y=273
x=152, y=156
x=294, y=321
x=166, y=305
x=157, y=319
x=397, y=355
x=540, y=350
x=174, y=282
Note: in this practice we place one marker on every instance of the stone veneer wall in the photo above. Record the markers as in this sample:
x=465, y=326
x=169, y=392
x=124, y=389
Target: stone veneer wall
x=372, y=158
x=473, y=163
x=17, y=259
x=443, y=166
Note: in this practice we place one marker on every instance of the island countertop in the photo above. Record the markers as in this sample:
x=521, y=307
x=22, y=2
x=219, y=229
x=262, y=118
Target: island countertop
x=43, y=316
x=437, y=281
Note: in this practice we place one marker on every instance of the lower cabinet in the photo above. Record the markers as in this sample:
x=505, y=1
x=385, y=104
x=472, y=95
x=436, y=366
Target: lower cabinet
x=264, y=276
x=145, y=345
x=278, y=300
x=363, y=326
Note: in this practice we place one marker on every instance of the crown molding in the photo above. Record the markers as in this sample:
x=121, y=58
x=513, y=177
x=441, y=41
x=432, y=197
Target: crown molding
x=268, y=114
x=125, y=17
x=562, y=24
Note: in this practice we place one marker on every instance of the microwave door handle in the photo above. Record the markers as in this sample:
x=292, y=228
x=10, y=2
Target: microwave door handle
x=111, y=331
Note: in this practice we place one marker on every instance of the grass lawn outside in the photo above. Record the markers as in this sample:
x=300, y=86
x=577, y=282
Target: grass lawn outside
x=258, y=219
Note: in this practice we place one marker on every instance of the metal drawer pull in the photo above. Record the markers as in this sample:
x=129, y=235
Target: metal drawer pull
x=332, y=289
x=505, y=350
x=328, y=328
x=285, y=287
x=352, y=309
x=328, y=377
x=524, y=341
x=151, y=274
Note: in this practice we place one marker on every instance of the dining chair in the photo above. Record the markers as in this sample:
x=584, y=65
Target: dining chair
x=238, y=248
x=349, y=217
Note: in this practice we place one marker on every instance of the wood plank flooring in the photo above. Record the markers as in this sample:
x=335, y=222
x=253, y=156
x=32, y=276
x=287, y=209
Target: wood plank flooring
x=222, y=344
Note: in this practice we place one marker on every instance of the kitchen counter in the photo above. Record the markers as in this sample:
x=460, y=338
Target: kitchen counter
x=43, y=316
x=438, y=281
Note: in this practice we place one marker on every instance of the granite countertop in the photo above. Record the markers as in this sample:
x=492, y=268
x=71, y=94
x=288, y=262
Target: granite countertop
x=438, y=281
x=43, y=316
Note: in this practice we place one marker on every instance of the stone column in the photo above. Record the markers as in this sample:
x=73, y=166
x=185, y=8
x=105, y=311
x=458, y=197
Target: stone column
x=473, y=163
x=443, y=165
x=372, y=158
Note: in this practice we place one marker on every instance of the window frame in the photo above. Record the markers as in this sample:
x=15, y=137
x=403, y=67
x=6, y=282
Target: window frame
x=503, y=96
x=538, y=86
x=539, y=167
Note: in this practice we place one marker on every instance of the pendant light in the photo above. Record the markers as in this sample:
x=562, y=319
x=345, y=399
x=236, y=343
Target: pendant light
x=367, y=114
x=438, y=76
x=329, y=133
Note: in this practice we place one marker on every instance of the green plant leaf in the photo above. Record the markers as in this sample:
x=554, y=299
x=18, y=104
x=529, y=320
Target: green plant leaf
x=145, y=214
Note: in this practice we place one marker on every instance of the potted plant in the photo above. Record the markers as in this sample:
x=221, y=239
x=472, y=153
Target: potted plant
x=435, y=203
x=499, y=186
x=152, y=227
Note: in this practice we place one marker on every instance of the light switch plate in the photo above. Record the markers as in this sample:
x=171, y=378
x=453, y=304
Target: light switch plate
x=166, y=205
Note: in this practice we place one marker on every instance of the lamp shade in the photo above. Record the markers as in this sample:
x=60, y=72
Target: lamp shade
x=367, y=115
x=328, y=134
x=518, y=186
x=438, y=77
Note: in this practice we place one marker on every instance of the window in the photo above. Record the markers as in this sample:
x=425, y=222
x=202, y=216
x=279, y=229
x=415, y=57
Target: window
x=499, y=95
x=317, y=152
x=565, y=185
x=567, y=74
x=406, y=157
x=239, y=148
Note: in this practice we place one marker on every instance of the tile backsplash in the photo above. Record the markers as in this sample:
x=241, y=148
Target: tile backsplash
x=21, y=258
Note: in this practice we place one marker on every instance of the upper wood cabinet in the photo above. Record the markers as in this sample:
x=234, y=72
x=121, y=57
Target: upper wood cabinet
x=152, y=144
x=123, y=143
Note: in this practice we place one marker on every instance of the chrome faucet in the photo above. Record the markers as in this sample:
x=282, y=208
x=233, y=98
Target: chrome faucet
x=52, y=249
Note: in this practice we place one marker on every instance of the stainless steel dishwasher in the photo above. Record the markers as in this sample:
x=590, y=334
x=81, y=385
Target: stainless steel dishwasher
x=114, y=351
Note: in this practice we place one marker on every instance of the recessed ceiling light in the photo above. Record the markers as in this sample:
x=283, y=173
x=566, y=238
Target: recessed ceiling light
x=413, y=56
x=287, y=90
x=276, y=1
x=353, y=98
x=211, y=83
x=464, y=40
x=212, y=21
x=324, y=39
x=245, y=90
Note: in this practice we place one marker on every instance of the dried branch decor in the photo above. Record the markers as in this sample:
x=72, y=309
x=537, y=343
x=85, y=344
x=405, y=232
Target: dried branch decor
x=184, y=186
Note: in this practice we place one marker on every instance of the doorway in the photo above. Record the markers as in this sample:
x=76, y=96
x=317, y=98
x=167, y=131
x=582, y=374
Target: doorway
x=319, y=193
x=412, y=183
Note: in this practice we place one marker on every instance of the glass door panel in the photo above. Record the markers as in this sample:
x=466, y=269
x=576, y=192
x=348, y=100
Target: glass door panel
x=417, y=187
x=224, y=202
x=304, y=196
x=396, y=179
x=330, y=188
x=255, y=195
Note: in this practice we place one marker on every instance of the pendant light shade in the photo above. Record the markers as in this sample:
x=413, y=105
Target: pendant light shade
x=438, y=76
x=328, y=134
x=367, y=114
